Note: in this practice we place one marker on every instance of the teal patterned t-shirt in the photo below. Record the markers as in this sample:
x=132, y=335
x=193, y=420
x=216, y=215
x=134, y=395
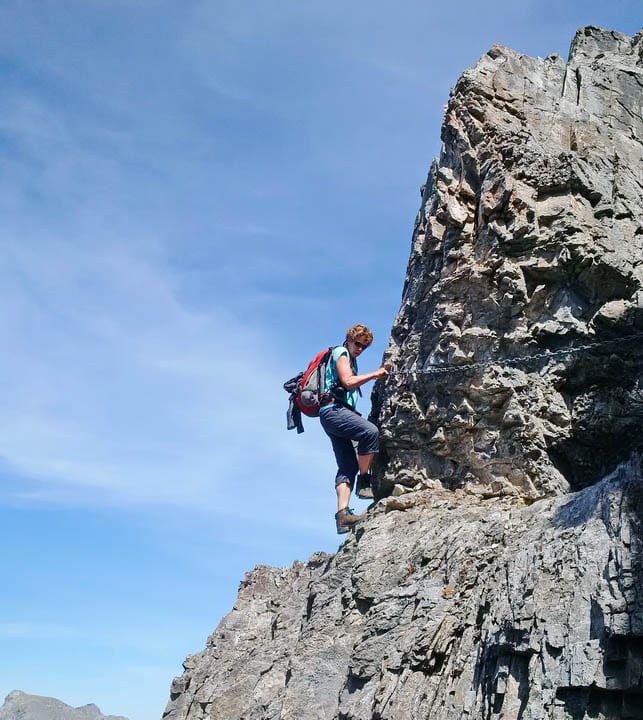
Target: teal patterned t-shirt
x=332, y=378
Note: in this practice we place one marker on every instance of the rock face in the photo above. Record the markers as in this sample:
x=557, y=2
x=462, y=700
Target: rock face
x=444, y=606
x=503, y=577
x=529, y=240
x=21, y=706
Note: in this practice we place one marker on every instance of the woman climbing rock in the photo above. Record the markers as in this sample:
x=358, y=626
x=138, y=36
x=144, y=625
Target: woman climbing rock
x=355, y=440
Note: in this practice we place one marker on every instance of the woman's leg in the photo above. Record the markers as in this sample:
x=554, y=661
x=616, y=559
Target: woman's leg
x=343, y=495
x=365, y=462
x=346, y=428
x=347, y=468
x=343, y=423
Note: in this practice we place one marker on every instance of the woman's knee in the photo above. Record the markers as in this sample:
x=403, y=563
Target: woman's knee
x=343, y=480
x=370, y=439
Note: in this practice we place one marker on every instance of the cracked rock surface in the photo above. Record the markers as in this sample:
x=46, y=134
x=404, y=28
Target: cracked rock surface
x=501, y=576
x=447, y=606
x=529, y=242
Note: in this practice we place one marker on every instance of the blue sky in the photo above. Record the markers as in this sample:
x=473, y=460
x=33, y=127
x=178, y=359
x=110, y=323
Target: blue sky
x=196, y=197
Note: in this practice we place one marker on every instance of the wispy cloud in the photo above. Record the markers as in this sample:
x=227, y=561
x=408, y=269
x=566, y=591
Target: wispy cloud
x=125, y=383
x=114, y=385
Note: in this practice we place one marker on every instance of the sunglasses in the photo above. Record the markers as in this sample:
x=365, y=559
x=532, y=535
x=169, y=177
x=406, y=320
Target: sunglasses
x=360, y=345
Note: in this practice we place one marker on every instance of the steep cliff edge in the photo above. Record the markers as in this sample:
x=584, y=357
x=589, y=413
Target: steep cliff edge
x=484, y=588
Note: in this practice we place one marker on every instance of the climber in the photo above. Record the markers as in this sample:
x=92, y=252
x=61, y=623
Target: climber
x=355, y=440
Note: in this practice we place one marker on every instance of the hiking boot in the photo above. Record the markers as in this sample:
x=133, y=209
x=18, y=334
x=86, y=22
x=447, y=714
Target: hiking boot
x=363, y=489
x=345, y=519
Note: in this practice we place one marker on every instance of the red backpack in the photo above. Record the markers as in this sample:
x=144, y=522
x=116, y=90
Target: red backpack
x=306, y=390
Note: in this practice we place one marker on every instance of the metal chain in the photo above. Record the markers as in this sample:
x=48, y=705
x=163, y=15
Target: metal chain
x=548, y=355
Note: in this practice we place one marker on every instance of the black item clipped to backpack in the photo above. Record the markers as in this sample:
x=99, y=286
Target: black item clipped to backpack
x=306, y=390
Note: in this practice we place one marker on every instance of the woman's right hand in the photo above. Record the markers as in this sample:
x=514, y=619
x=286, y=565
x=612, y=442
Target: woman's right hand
x=382, y=372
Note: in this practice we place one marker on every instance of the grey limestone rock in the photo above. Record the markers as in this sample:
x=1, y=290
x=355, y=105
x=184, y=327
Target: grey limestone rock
x=443, y=605
x=500, y=578
x=528, y=243
x=22, y=706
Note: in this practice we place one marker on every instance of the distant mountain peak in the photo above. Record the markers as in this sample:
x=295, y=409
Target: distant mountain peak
x=19, y=705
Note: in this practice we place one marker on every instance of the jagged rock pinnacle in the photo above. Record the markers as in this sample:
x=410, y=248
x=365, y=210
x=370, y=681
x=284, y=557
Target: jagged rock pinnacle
x=484, y=588
x=529, y=240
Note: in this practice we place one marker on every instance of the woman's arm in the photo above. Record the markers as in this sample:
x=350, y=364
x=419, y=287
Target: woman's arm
x=351, y=381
